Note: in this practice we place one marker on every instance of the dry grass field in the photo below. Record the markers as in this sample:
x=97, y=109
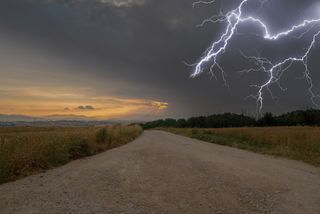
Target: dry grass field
x=29, y=150
x=298, y=143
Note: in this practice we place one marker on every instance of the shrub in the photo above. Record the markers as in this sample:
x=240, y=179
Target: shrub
x=79, y=148
x=101, y=136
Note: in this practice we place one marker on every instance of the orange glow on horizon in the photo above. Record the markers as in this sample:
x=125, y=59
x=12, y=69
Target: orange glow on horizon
x=39, y=103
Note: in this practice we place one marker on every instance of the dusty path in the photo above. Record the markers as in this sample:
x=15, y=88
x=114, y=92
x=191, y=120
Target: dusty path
x=166, y=173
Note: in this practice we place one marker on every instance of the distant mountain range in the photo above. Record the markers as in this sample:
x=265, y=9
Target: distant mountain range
x=57, y=120
x=24, y=118
x=14, y=118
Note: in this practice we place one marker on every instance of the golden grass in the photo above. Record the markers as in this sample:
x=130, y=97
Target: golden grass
x=298, y=143
x=28, y=150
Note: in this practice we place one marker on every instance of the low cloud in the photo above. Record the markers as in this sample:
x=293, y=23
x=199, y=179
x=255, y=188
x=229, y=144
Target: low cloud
x=85, y=107
x=123, y=3
x=160, y=105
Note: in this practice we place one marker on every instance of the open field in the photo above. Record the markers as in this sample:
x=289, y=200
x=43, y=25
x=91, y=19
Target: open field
x=162, y=172
x=298, y=143
x=28, y=150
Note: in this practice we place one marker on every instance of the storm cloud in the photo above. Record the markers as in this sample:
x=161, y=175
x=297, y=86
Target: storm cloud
x=139, y=48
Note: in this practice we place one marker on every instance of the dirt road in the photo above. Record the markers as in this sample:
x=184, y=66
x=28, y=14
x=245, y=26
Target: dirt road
x=166, y=173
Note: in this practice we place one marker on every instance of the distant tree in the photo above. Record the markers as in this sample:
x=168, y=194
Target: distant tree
x=267, y=120
x=169, y=123
x=181, y=123
x=310, y=117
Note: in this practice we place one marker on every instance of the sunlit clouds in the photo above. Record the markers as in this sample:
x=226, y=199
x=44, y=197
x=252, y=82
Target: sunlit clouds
x=43, y=102
x=38, y=84
x=160, y=105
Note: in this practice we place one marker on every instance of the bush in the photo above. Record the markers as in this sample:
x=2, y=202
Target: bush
x=101, y=136
x=79, y=148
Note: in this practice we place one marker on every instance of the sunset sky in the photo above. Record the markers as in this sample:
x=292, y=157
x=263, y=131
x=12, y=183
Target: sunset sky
x=124, y=59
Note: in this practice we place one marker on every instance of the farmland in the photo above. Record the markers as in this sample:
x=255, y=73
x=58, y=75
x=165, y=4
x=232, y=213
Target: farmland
x=298, y=143
x=29, y=150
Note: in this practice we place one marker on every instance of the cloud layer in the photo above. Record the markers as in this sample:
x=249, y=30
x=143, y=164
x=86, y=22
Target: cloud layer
x=126, y=57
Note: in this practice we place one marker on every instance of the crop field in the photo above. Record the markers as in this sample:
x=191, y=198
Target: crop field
x=29, y=150
x=298, y=143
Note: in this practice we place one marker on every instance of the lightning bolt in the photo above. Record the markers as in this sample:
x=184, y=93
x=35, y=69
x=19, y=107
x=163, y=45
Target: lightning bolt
x=234, y=19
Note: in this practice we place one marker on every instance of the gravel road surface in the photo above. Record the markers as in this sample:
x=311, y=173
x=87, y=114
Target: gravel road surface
x=165, y=173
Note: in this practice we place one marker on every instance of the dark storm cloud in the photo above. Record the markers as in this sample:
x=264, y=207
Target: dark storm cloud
x=144, y=43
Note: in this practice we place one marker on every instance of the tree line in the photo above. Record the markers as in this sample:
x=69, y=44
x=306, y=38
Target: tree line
x=309, y=117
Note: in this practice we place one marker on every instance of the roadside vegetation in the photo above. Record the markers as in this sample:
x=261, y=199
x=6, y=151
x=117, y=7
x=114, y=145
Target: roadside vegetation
x=298, y=143
x=29, y=150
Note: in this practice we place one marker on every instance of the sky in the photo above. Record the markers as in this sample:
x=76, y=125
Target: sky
x=127, y=59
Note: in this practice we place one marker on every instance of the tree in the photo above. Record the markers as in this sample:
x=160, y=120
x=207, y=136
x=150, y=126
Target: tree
x=266, y=120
